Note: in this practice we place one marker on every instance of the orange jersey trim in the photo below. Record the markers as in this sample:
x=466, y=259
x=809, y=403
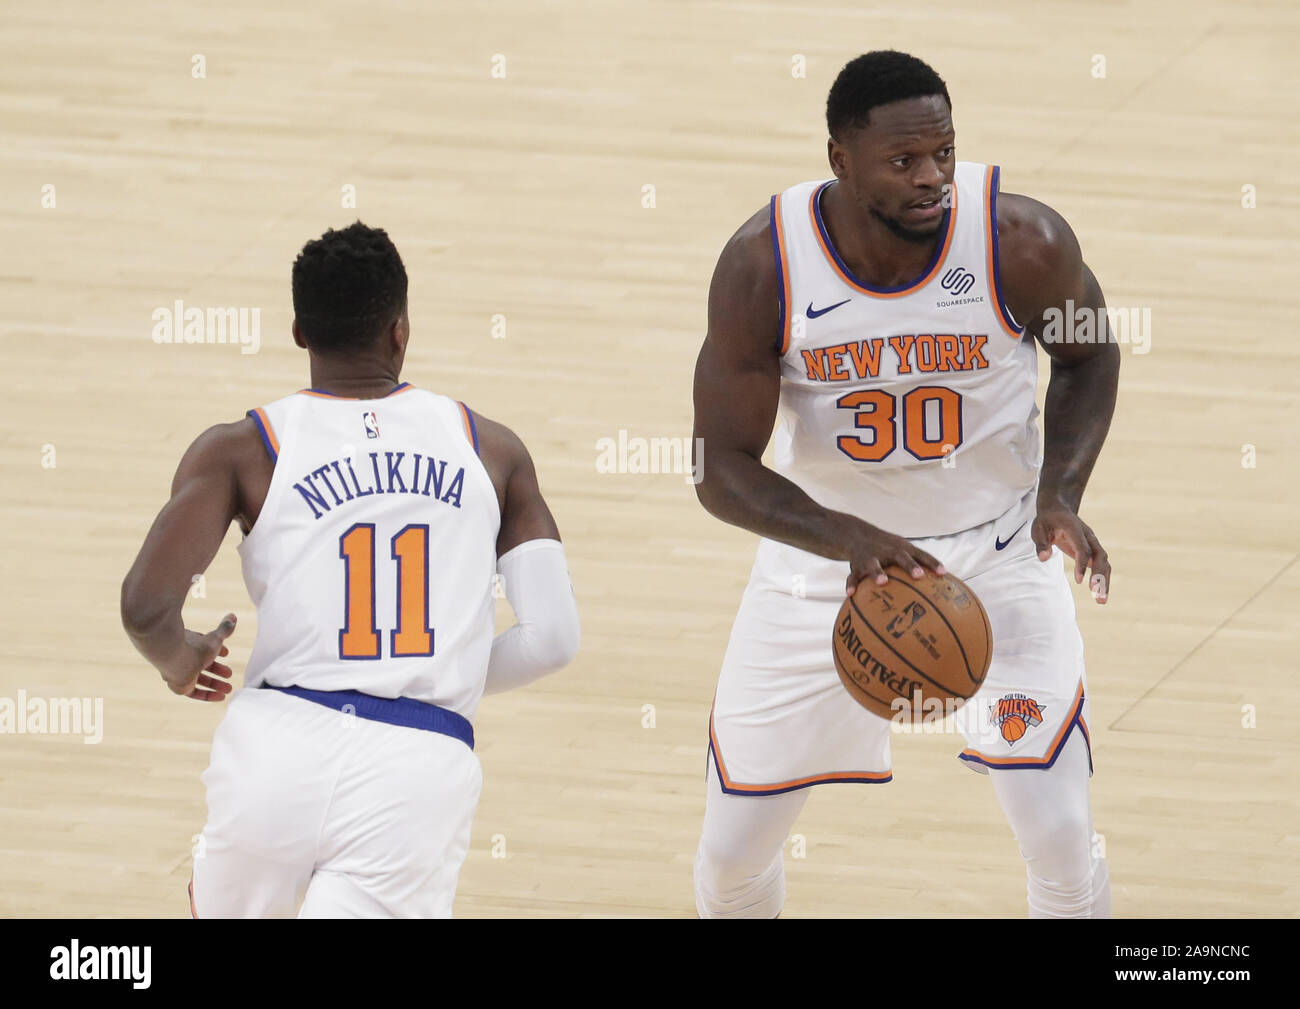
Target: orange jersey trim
x=730, y=785
x=268, y=430
x=834, y=259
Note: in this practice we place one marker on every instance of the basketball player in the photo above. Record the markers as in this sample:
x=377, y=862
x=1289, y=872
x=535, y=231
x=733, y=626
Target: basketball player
x=343, y=779
x=884, y=322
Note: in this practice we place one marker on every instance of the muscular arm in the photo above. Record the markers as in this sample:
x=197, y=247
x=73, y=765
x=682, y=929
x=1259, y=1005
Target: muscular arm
x=1045, y=283
x=181, y=544
x=533, y=569
x=524, y=513
x=737, y=388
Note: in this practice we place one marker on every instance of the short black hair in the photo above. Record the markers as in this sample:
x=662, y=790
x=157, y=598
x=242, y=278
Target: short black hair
x=349, y=287
x=878, y=78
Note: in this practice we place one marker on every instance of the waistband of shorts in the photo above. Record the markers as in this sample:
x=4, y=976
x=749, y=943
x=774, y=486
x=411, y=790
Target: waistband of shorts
x=394, y=710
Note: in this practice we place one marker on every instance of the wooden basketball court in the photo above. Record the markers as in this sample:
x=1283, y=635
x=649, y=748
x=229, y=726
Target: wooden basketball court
x=509, y=149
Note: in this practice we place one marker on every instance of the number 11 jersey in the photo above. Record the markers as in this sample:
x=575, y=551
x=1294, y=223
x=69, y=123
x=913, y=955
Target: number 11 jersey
x=372, y=561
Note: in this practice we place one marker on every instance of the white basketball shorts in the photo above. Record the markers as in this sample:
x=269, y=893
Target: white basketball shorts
x=322, y=813
x=782, y=719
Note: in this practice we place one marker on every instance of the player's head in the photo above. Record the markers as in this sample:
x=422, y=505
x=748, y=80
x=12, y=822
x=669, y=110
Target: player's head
x=891, y=140
x=349, y=294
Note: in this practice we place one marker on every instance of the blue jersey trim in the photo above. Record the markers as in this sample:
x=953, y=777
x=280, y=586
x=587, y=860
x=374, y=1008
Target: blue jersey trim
x=266, y=438
x=473, y=427
x=780, y=273
x=941, y=246
x=1001, y=306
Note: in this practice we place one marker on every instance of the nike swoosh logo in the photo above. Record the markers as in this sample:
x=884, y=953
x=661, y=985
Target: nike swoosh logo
x=813, y=313
x=999, y=544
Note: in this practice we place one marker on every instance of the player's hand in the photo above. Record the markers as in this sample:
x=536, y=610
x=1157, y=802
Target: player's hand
x=872, y=550
x=197, y=658
x=1057, y=524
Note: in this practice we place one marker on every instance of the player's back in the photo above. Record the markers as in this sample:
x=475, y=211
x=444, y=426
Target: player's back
x=371, y=562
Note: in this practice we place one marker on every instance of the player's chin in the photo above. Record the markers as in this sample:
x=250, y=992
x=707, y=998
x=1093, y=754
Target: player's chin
x=919, y=231
x=913, y=231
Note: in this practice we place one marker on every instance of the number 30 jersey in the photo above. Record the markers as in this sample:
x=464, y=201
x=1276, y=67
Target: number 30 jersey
x=910, y=407
x=372, y=561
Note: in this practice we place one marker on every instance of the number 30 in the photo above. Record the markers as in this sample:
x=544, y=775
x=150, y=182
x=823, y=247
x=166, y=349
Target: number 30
x=875, y=411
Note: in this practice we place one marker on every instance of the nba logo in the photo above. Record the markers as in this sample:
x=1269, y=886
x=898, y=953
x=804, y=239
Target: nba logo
x=372, y=424
x=912, y=612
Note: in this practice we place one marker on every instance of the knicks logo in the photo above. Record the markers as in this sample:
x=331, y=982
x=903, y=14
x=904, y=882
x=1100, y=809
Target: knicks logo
x=1014, y=715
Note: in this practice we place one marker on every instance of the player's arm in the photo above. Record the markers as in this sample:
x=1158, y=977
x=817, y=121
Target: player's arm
x=737, y=388
x=1043, y=270
x=533, y=568
x=181, y=544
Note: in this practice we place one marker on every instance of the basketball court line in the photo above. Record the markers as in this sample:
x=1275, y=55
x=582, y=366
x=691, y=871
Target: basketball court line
x=1125, y=98
x=1200, y=644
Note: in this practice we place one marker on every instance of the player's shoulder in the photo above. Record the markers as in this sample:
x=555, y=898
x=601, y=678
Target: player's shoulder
x=1032, y=233
x=223, y=451
x=1037, y=251
x=749, y=252
x=497, y=438
x=502, y=452
x=744, y=294
x=753, y=253
x=227, y=440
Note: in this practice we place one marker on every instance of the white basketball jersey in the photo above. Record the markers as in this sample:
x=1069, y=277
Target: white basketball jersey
x=910, y=407
x=371, y=563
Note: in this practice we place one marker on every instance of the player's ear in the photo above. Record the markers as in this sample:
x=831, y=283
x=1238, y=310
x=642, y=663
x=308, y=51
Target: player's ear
x=835, y=154
x=402, y=331
x=298, y=338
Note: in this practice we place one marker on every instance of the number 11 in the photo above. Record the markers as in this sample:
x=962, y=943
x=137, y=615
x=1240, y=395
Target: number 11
x=359, y=637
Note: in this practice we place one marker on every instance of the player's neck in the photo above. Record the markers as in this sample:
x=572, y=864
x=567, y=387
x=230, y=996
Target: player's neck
x=354, y=379
x=871, y=251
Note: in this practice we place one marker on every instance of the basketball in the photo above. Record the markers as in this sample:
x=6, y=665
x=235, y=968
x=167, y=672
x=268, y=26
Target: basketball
x=915, y=646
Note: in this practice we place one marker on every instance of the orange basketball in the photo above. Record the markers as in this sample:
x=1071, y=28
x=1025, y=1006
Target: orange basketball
x=913, y=647
x=1013, y=728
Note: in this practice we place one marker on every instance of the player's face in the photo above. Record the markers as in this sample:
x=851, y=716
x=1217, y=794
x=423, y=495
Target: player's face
x=897, y=166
